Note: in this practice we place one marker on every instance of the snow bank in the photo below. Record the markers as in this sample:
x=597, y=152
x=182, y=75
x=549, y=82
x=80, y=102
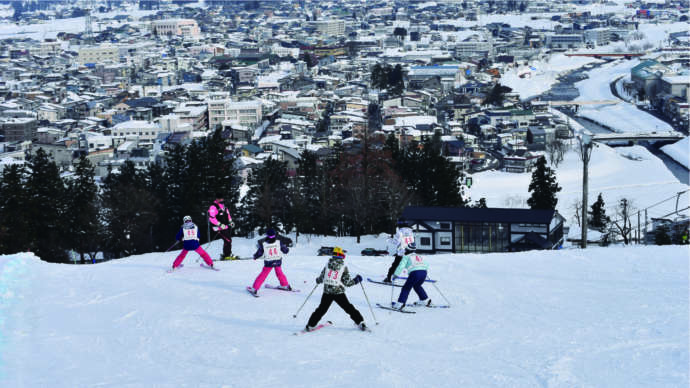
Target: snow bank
x=600, y=317
x=679, y=151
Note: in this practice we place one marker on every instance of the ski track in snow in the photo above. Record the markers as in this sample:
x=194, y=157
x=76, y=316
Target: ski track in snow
x=570, y=318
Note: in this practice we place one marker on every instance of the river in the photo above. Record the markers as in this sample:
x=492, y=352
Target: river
x=565, y=90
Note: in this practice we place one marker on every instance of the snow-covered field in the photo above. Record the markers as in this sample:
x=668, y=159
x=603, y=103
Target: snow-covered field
x=50, y=28
x=604, y=317
x=623, y=172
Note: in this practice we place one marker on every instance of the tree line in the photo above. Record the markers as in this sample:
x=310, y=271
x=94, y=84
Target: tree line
x=356, y=191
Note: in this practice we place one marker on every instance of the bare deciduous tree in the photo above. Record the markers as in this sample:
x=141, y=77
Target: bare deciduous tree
x=622, y=225
x=555, y=151
x=577, y=207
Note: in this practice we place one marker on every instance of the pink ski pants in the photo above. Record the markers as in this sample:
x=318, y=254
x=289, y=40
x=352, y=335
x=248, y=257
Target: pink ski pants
x=264, y=272
x=201, y=253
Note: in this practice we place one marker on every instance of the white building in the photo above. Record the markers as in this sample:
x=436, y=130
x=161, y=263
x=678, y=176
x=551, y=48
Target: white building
x=145, y=131
x=45, y=49
x=99, y=54
x=472, y=49
x=329, y=27
x=245, y=113
x=186, y=28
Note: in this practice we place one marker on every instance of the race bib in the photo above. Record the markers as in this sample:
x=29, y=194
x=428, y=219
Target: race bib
x=333, y=277
x=189, y=234
x=272, y=251
x=417, y=261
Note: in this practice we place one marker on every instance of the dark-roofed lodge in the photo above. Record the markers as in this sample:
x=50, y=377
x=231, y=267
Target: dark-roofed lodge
x=444, y=229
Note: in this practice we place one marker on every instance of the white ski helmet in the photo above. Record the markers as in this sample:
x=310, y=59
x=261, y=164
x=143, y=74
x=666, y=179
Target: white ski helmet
x=187, y=219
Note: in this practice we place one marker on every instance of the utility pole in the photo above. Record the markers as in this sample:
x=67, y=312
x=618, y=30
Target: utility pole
x=585, y=154
x=88, y=22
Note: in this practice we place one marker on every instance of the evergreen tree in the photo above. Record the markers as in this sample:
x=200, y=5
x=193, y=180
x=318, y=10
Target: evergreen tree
x=395, y=80
x=267, y=203
x=597, y=216
x=129, y=211
x=496, y=95
x=433, y=179
x=308, y=193
x=82, y=214
x=543, y=187
x=164, y=226
x=662, y=235
x=45, y=208
x=374, y=119
x=14, y=228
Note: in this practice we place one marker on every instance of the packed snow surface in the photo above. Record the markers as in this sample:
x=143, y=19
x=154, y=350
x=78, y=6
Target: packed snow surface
x=679, y=151
x=603, y=317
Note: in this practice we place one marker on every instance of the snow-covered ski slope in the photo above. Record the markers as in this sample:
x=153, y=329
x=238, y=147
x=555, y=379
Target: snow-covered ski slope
x=604, y=317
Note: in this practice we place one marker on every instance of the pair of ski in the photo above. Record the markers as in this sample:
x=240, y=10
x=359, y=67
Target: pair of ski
x=379, y=305
x=202, y=265
x=322, y=325
x=393, y=284
x=269, y=286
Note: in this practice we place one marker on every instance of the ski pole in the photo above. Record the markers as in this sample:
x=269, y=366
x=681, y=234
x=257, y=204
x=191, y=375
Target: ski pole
x=172, y=246
x=305, y=301
x=439, y=291
x=392, y=287
x=367, y=298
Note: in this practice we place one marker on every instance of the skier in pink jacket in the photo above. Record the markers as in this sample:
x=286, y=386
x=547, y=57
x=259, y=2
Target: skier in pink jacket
x=220, y=217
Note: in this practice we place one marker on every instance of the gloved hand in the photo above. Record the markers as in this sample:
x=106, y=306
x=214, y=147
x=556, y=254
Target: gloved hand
x=358, y=279
x=223, y=226
x=232, y=224
x=395, y=277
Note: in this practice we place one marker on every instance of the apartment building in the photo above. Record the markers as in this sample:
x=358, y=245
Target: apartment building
x=186, y=28
x=99, y=54
x=329, y=27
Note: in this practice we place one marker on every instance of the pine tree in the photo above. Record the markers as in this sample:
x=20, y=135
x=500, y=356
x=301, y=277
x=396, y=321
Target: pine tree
x=45, y=208
x=433, y=179
x=543, y=187
x=14, y=228
x=662, y=235
x=597, y=216
x=82, y=214
x=266, y=204
x=129, y=211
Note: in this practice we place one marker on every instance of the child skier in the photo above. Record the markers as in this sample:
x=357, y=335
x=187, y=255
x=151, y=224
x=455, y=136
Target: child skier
x=403, y=237
x=272, y=251
x=416, y=275
x=336, y=277
x=219, y=216
x=189, y=235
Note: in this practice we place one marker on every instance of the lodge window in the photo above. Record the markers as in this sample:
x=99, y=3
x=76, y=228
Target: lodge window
x=445, y=240
x=426, y=241
x=445, y=225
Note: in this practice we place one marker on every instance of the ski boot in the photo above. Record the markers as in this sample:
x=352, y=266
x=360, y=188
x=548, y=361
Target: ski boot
x=286, y=288
x=362, y=326
x=425, y=303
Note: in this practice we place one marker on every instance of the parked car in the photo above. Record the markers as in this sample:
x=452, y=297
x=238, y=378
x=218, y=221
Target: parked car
x=374, y=252
x=325, y=251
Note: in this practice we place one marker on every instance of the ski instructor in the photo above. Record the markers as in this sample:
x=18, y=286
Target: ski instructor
x=220, y=217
